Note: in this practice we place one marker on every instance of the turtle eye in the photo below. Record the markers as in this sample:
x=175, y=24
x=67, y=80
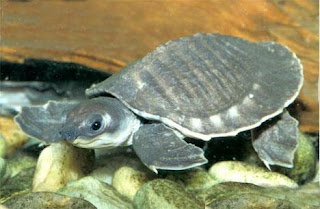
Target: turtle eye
x=96, y=125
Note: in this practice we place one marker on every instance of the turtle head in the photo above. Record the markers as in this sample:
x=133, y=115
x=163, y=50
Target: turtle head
x=99, y=123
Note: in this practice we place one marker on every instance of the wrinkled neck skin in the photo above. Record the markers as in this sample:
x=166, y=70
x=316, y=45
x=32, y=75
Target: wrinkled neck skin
x=118, y=127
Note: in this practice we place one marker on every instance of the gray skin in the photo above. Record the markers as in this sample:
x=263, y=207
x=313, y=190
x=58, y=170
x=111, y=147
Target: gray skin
x=100, y=122
x=203, y=86
x=104, y=122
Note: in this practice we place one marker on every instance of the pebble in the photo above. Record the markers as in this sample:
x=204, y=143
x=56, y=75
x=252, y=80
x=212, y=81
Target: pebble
x=4, y=171
x=127, y=181
x=165, y=194
x=17, y=185
x=36, y=200
x=316, y=178
x=234, y=171
x=193, y=179
x=20, y=161
x=238, y=196
x=59, y=164
x=3, y=206
x=107, y=165
x=100, y=194
x=13, y=136
x=3, y=146
x=305, y=162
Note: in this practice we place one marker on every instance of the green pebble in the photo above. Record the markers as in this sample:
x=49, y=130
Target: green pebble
x=193, y=179
x=165, y=194
x=4, y=171
x=238, y=195
x=46, y=200
x=17, y=185
x=20, y=161
x=100, y=194
x=3, y=146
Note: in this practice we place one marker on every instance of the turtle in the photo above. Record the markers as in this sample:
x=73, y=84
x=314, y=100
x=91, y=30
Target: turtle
x=202, y=87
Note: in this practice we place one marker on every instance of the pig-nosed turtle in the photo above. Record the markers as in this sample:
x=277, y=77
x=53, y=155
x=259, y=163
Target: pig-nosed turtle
x=202, y=86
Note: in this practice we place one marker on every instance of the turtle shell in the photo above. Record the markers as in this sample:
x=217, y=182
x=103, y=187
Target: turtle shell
x=208, y=85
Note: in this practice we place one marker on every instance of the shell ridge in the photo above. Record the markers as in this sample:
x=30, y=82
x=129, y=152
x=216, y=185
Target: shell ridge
x=232, y=56
x=220, y=72
x=188, y=92
x=192, y=76
x=207, y=65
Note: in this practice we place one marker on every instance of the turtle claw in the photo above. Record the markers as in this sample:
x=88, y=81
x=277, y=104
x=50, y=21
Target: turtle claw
x=153, y=168
x=277, y=140
x=159, y=147
x=266, y=164
x=44, y=122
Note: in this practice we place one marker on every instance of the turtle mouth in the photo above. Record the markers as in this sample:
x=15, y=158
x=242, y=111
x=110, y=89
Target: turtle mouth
x=84, y=143
x=91, y=144
x=101, y=141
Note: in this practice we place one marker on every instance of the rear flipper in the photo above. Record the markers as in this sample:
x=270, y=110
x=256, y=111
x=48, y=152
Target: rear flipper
x=44, y=122
x=277, y=140
x=159, y=147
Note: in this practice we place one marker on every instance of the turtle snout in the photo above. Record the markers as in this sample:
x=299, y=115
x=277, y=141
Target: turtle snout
x=69, y=133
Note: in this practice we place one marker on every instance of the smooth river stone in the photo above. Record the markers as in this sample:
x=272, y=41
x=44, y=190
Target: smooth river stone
x=46, y=200
x=127, y=181
x=165, y=194
x=239, y=195
x=234, y=171
x=101, y=195
x=59, y=164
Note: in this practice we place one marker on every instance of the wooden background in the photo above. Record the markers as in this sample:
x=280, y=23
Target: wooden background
x=108, y=34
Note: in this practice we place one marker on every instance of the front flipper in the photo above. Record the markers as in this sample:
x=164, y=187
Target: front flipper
x=277, y=140
x=44, y=122
x=159, y=147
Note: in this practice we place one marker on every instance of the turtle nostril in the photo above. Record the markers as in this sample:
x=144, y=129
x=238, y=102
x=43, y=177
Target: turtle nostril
x=68, y=134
